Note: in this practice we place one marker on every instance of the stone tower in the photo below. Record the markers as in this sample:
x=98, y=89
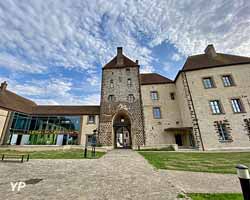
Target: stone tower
x=121, y=115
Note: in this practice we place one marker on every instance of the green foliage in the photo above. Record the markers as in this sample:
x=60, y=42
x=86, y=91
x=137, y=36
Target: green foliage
x=222, y=196
x=181, y=196
x=223, y=162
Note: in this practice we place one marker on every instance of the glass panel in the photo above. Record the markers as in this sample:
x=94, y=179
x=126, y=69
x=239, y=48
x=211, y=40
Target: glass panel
x=44, y=130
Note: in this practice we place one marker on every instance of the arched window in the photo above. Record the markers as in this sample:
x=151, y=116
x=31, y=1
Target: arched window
x=111, y=83
x=111, y=98
x=131, y=98
x=129, y=82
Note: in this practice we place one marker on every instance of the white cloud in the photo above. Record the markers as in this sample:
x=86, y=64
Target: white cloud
x=147, y=69
x=176, y=57
x=43, y=35
x=59, y=33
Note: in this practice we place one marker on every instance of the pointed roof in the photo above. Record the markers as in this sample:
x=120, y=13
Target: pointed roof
x=213, y=59
x=154, y=78
x=120, y=61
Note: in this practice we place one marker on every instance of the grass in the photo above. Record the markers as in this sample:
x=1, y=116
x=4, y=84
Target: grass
x=223, y=162
x=55, y=154
x=222, y=196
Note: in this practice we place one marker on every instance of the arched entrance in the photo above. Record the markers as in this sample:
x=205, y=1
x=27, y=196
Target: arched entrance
x=122, y=131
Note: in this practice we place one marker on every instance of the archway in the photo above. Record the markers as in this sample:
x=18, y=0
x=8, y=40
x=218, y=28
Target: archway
x=122, y=131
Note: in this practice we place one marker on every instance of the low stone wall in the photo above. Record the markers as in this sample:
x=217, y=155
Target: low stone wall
x=47, y=147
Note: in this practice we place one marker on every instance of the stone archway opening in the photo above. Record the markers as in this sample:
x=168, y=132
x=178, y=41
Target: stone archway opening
x=122, y=131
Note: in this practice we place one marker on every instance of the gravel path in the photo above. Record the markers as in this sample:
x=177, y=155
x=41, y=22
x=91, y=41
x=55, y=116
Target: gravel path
x=120, y=174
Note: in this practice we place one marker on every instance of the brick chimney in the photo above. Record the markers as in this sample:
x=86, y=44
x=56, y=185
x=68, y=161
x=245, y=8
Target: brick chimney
x=3, y=86
x=210, y=51
x=119, y=56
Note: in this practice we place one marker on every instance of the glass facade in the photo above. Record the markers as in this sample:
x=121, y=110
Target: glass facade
x=44, y=130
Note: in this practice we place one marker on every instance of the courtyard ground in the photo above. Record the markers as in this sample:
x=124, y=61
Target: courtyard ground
x=119, y=174
x=222, y=162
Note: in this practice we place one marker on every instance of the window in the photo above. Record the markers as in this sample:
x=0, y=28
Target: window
x=227, y=80
x=172, y=95
x=111, y=83
x=154, y=95
x=223, y=132
x=131, y=98
x=128, y=70
x=157, y=112
x=237, y=105
x=215, y=107
x=91, y=119
x=111, y=98
x=208, y=82
x=129, y=82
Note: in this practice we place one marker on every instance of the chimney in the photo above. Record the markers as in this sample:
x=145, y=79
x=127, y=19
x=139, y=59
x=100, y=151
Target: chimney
x=3, y=86
x=119, y=56
x=210, y=51
x=137, y=62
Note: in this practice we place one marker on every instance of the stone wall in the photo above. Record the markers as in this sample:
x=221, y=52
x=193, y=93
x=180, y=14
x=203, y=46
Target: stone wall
x=87, y=128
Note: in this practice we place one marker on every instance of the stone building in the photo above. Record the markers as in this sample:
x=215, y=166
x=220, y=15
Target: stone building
x=206, y=107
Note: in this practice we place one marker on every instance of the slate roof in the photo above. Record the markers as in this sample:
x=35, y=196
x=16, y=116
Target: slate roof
x=126, y=63
x=14, y=102
x=203, y=61
x=154, y=78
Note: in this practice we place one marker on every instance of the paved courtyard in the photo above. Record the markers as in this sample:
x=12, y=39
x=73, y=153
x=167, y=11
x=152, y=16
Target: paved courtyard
x=120, y=174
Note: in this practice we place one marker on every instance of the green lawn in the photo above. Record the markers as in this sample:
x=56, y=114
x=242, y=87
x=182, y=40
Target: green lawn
x=55, y=154
x=224, y=162
x=222, y=196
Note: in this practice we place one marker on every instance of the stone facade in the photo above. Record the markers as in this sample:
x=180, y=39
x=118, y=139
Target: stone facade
x=123, y=84
x=235, y=121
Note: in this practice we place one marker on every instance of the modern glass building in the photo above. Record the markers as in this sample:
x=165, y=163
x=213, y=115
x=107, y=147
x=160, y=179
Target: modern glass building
x=43, y=130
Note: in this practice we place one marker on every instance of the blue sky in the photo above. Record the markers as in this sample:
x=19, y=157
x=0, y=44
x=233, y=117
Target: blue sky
x=52, y=51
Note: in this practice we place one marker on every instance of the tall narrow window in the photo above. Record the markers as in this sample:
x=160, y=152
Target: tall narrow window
x=111, y=83
x=157, y=112
x=131, y=98
x=172, y=95
x=237, y=105
x=91, y=119
x=227, y=80
x=129, y=82
x=208, y=82
x=223, y=132
x=111, y=98
x=154, y=95
x=215, y=107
